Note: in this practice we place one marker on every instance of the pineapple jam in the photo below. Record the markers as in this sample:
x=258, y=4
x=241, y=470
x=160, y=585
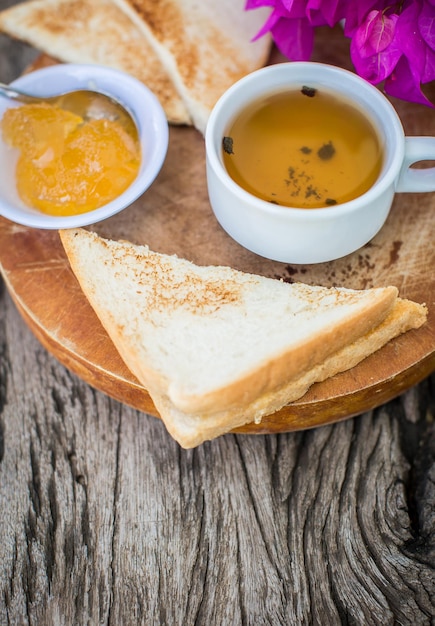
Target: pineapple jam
x=66, y=165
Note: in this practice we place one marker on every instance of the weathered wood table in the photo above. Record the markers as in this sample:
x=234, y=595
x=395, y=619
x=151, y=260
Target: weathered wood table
x=104, y=519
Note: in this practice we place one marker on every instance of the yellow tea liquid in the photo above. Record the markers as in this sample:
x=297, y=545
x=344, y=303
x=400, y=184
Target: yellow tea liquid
x=304, y=148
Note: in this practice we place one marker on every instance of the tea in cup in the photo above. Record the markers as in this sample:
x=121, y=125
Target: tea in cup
x=303, y=148
x=304, y=159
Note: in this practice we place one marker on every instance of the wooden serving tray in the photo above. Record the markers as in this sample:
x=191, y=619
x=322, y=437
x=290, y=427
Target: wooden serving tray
x=174, y=217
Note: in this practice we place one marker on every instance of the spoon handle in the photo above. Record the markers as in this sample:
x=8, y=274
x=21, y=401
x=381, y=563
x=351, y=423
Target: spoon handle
x=15, y=94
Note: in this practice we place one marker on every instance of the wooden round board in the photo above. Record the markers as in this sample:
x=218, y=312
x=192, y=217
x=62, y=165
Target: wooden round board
x=174, y=217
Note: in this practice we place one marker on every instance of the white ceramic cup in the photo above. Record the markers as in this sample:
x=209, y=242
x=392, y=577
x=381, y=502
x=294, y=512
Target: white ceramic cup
x=294, y=235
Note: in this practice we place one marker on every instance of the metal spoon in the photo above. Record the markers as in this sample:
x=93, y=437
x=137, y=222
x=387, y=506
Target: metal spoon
x=86, y=103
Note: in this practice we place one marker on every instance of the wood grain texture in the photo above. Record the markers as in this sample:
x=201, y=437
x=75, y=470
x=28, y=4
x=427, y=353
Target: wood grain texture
x=105, y=519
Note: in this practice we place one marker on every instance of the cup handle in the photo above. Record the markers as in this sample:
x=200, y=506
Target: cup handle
x=413, y=179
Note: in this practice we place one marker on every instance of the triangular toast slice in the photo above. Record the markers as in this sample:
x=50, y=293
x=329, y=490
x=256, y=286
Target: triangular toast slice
x=95, y=32
x=205, y=46
x=217, y=348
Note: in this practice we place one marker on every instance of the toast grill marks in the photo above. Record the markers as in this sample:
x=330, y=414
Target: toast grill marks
x=81, y=31
x=167, y=292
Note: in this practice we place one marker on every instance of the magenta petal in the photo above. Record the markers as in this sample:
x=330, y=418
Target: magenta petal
x=328, y=13
x=404, y=84
x=356, y=13
x=428, y=74
x=382, y=32
x=376, y=34
x=376, y=67
x=294, y=38
x=288, y=5
x=256, y=4
x=294, y=8
x=408, y=37
x=426, y=24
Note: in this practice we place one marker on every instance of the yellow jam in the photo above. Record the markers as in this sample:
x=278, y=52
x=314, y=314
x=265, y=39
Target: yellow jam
x=304, y=148
x=68, y=166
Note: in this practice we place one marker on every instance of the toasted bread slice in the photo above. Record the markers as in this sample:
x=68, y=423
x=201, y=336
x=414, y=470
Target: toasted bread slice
x=205, y=46
x=96, y=32
x=192, y=429
x=217, y=348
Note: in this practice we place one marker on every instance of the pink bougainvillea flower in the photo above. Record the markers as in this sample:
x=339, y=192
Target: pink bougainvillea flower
x=320, y=13
x=426, y=23
x=375, y=34
x=289, y=27
x=299, y=45
x=357, y=12
x=373, y=49
x=389, y=47
x=391, y=42
x=292, y=23
x=416, y=66
x=404, y=83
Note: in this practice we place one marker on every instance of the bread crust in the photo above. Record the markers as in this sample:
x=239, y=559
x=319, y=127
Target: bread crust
x=191, y=430
x=290, y=364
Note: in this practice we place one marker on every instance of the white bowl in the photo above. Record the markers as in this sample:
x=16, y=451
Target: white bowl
x=294, y=235
x=134, y=95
